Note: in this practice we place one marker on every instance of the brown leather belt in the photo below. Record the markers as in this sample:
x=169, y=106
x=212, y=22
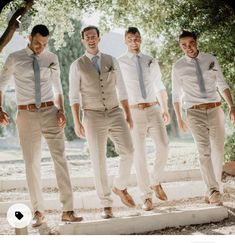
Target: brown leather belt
x=206, y=106
x=142, y=106
x=32, y=107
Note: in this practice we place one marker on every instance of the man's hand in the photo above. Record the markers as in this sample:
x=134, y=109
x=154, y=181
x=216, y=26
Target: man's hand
x=166, y=117
x=4, y=118
x=232, y=114
x=129, y=121
x=61, y=118
x=79, y=130
x=182, y=125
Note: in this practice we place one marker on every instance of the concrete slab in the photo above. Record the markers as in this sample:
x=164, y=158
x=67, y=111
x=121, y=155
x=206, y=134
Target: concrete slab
x=146, y=223
x=169, y=176
x=89, y=199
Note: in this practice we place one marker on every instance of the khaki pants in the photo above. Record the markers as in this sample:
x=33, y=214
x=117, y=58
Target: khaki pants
x=31, y=127
x=149, y=122
x=207, y=127
x=98, y=126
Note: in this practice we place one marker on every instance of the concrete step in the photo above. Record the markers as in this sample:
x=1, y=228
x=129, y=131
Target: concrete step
x=169, y=176
x=130, y=224
x=89, y=199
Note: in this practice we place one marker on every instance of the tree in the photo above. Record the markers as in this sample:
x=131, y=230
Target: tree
x=69, y=53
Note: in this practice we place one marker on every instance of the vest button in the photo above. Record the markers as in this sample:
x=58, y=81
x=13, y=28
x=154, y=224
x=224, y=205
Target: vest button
x=102, y=92
x=103, y=98
x=102, y=86
x=101, y=79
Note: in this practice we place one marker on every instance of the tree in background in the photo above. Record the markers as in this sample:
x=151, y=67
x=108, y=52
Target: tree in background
x=71, y=50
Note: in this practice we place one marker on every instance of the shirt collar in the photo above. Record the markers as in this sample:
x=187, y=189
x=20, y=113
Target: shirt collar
x=189, y=59
x=131, y=55
x=89, y=55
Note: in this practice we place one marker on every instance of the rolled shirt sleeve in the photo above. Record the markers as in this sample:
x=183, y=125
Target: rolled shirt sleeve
x=74, y=84
x=220, y=80
x=176, y=86
x=156, y=76
x=56, y=81
x=7, y=72
x=120, y=85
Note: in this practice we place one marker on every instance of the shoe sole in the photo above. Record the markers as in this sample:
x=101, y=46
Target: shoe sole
x=66, y=220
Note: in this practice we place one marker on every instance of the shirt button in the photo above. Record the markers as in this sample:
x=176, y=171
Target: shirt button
x=102, y=92
x=106, y=109
x=103, y=98
x=102, y=86
x=101, y=80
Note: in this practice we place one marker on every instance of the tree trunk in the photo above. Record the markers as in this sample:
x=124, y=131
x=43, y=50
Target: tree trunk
x=14, y=24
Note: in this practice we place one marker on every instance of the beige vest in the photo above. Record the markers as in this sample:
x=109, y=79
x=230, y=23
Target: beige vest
x=98, y=91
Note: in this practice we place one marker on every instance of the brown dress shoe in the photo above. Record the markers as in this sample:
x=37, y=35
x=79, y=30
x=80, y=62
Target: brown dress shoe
x=159, y=193
x=38, y=219
x=107, y=213
x=125, y=197
x=215, y=198
x=148, y=204
x=68, y=216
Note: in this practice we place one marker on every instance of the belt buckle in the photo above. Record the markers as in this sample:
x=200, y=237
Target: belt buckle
x=141, y=106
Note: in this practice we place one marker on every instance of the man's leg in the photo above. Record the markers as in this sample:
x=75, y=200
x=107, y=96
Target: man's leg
x=139, y=133
x=120, y=135
x=216, y=119
x=198, y=122
x=29, y=129
x=96, y=129
x=157, y=131
x=54, y=136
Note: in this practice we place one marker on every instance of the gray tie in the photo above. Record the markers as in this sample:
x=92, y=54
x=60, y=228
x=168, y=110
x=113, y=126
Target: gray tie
x=36, y=70
x=200, y=78
x=141, y=78
x=94, y=60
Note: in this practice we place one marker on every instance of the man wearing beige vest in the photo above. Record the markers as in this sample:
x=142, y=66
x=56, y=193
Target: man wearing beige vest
x=149, y=110
x=36, y=74
x=195, y=80
x=96, y=77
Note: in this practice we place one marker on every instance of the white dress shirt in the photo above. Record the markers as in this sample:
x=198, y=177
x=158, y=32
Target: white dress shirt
x=75, y=79
x=185, y=85
x=19, y=65
x=151, y=75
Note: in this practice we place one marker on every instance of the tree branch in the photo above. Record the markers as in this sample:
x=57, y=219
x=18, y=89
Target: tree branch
x=14, y=24
x=3, y=3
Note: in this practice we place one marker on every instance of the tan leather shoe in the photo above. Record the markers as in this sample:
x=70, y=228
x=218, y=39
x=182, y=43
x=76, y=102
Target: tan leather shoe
x=148, y=204
x=125, y=197
x=159, y=193
x=215, y=198
x=107, y=213
x=69, y=216
x=38, y=219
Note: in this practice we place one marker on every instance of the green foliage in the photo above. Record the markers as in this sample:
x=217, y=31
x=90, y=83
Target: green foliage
x=67, y=54
x=229, y=148
x=110, y=149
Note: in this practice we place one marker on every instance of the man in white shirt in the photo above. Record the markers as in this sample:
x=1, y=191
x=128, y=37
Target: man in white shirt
x=195, y=79
x=36, y=74
x=149, y=110
x=96, y=78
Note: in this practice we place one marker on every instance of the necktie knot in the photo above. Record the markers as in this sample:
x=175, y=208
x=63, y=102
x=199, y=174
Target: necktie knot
x=94, y=60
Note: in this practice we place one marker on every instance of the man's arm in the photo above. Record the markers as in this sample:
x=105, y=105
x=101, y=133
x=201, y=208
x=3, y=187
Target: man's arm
x=4, y=118
x=126, y=108
x=178, y=111
x=78, y=127
x=228, y=97
x=163, y=98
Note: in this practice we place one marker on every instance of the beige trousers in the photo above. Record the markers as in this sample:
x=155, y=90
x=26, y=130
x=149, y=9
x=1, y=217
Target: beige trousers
x=31, y=127
x=207, y=127
x=98, y=126
x=149, y=122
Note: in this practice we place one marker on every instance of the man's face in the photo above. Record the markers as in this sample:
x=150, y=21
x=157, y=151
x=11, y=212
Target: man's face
x=133, y=42
x=38, y=43
x=189, y=46
x=91, y=40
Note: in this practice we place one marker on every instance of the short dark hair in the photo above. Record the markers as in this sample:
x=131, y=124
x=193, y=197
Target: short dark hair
x=90, y=27
x=132, y=30
x=41, y=29
x=186, y=33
